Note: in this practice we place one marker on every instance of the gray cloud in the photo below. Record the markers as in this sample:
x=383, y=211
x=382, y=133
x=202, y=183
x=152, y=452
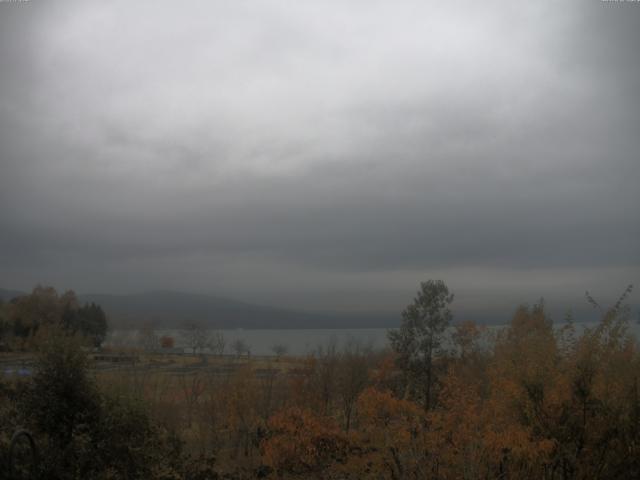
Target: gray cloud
x=321, y=154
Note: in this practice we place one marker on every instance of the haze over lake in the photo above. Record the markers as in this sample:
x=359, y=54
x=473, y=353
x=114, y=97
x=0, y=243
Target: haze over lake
x=300, y=342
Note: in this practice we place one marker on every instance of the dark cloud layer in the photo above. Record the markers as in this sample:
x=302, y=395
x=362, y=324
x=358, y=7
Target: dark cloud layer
x=321, y=154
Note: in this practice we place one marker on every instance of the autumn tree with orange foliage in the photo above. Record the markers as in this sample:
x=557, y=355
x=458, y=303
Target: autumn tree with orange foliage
x=390, y=441
x=301, y=442
x=538, y=402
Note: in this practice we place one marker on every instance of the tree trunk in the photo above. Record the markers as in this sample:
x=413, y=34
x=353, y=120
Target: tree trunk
x=428, y=380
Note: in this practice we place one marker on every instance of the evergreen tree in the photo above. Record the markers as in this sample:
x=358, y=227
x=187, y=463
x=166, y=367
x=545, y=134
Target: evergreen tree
x=420, y=336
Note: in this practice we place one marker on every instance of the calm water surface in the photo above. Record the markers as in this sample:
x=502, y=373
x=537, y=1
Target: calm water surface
x=297, y=342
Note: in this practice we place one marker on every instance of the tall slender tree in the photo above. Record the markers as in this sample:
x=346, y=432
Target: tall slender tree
x=420, y=336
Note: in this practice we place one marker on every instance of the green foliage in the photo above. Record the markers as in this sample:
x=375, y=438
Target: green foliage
x=88, y=320
x=420, y=336
x=62, y=397
x=8, y=422
x=84, y=434
x=5, y=326
x=126, y=444
x=44, y=308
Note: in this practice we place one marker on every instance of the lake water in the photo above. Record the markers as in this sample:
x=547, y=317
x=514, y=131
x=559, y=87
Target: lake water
x=297, y=342
x=261, y=342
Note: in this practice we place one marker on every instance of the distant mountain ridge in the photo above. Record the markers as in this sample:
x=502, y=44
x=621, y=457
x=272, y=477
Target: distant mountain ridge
x=6, y=295
x=171, y=309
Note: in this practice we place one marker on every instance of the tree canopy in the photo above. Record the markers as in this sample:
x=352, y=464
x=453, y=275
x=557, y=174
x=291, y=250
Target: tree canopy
x=44, y=307
x=420, y=335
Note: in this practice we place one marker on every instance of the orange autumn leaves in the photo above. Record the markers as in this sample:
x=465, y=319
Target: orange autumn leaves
x=535, y=403
x=302, y=442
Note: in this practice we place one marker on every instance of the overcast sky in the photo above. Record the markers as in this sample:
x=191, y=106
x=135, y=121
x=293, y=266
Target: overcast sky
x=323, y=155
